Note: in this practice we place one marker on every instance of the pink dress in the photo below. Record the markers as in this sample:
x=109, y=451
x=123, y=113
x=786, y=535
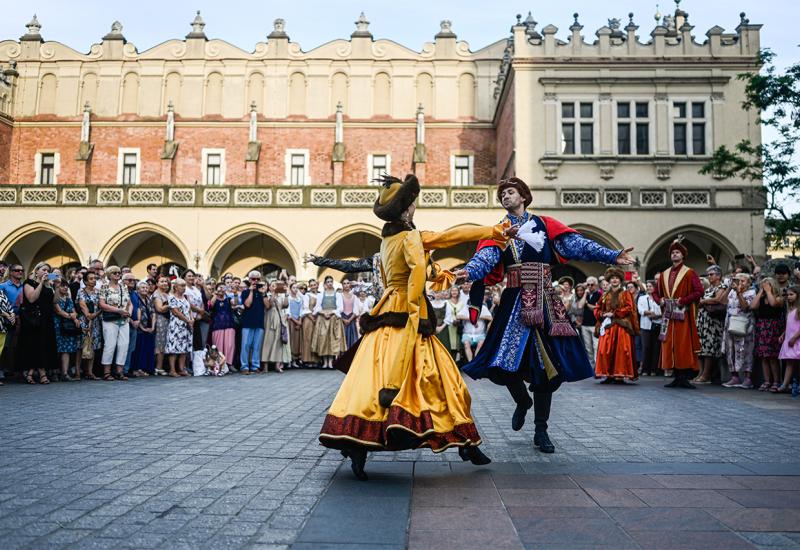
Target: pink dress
x=792, y=328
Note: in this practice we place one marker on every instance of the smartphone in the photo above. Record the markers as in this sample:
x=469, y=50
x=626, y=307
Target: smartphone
x=53, y=276
x=739, y=257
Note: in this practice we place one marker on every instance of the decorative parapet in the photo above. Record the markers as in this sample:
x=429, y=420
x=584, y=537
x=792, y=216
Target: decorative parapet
x=478, y=196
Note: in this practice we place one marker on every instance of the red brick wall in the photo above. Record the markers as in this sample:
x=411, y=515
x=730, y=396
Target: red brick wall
x=5, y=150
x=505, y=134
x=359, y=142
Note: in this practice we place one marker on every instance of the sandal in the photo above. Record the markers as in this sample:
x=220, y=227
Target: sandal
x=29, y=379
x=120, y=377
x=764, y=387
x=774, y=388
x=43, y=380
x=783, y=389
x=108, y=378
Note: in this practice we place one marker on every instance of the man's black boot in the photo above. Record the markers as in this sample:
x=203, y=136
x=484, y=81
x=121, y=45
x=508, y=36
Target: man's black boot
x=518, y=419
x=542, y=441
x=675, y=382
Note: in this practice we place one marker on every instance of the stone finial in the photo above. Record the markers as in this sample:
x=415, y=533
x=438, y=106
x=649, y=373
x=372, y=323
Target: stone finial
x=657, y=15
x=362, y=27
x=446, y=29
x=576, y=26
x=115, y=33
x=278, y=29
x=519, y=18
x=34, y=28
x=530, y=27
x=197, y=27
x=743, y=20
x=631, y=26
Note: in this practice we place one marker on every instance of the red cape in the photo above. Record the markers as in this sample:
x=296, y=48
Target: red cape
x=554, y=230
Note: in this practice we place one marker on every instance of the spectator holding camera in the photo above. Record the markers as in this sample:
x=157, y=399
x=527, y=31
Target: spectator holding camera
x=254, y=301
x=115, y=303
x=37, y=338
x=769, y=325
x=711, y=322
x=739, y=339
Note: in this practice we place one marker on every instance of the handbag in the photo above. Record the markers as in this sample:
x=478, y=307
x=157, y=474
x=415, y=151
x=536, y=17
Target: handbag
x=717, y=311
x=284, y=334
x=68, y=327
x=111, y=317
x=87, y=350
x=738, y=325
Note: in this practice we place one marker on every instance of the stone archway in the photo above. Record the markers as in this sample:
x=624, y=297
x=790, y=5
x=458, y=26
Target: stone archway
x=40, y=242
x=699, y=241
x=349, y=243
x=143, y=244
x=581, y=270
x=251, y=246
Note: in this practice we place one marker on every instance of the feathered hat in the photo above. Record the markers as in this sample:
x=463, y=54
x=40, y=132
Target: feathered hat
x=395, y=197
x=521, y=187
x=678, y=245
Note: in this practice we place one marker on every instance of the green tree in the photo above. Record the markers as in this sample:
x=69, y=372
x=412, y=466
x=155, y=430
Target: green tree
x=776, y=98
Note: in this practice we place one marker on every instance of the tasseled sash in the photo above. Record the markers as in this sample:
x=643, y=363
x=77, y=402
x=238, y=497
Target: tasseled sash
x=536, y=281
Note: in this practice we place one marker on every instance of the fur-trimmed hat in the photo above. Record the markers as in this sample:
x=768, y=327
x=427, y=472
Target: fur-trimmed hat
x=395, y=197
x=521, y=187
x=614, y=271
x=678, y=245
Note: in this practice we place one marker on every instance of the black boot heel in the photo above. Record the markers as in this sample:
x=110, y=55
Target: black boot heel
x=474, y=455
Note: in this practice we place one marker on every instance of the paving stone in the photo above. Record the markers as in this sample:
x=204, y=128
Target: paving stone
x=685, y=498
x=665, y=519
x=755, y=498
x=461, y=539
x=545, y=497
x=714, y=540
x=603, y=532
x=759, y=519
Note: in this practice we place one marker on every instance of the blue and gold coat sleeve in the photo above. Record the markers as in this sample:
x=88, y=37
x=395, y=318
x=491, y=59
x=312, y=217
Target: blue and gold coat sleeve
x=483, y=262
x=574, y=246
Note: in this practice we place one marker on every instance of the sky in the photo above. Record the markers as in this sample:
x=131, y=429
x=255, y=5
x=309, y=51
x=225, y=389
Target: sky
x=79, y=23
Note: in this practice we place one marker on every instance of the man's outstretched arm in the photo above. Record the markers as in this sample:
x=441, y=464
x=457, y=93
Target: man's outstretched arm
x=345, y=266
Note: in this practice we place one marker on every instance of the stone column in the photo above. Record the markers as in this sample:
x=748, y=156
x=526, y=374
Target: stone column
x=338, y=155
x=420, y=156
x=253, y=147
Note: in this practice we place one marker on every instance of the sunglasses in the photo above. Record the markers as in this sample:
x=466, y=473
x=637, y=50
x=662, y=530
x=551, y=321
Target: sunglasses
x=16, y=270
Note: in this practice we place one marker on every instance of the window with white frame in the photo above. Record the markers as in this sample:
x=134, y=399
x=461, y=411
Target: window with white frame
x=577, y=128
x=633, y=128
x=128, y=166
x=47, y=166
x=378, y=165
x=297, y=167
x=462, y=170
x=213, y=167
x=689, y=127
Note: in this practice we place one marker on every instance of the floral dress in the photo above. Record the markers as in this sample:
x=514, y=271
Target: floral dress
x=709, y=329
x=66, y=343
x=162, y=322
x=93, y=303
x=179, y=335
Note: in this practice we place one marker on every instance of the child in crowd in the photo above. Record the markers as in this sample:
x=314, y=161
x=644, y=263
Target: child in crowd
x=790, y=350
x=214, y=362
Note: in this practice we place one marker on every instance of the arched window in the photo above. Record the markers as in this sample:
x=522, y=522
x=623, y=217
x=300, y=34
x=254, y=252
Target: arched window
x=425, y=92
x=255, y=91
x=130, y=94
x=172, y=91
x=466, y=96
x=382, y=95
x=339, y=91
x=213, y=103
x=47, y=95
x=297, y=94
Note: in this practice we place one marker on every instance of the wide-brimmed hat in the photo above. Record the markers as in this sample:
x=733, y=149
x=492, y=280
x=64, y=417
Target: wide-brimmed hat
x=521, y=187
x=395, y=197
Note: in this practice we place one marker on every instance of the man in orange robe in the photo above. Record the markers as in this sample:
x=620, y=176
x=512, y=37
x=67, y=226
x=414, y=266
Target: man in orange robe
x=678, y=290
x=615, y=326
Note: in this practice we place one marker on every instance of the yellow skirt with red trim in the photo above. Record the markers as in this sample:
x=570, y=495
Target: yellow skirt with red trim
x=431, y=408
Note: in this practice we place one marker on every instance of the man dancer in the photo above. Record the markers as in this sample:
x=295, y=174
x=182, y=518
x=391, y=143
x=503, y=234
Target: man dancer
x=678, y=290
x=531, y=339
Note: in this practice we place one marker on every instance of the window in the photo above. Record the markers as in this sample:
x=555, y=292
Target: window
x=128, y=166
x=297, y=172
x=462, y=170
x=47, y=169
x=633, y=128
x=689, y=127
x=213, y=167
x=577, y=132
x=378, y=165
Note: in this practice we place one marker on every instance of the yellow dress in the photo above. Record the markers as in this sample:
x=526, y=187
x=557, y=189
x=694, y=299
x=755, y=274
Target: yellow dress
x=431, y=407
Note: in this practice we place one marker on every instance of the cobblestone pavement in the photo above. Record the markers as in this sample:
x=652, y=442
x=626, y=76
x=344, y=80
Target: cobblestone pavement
x=235, y=462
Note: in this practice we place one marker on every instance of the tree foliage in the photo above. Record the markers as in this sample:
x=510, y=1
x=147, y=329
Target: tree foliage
x=776, y=98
